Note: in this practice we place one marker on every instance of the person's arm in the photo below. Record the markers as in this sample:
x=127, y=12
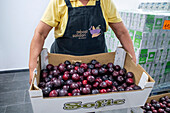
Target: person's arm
x=124, y=37
x=37, y=43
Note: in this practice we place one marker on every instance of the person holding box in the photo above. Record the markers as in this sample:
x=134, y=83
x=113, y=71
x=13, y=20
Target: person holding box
x=79, y=29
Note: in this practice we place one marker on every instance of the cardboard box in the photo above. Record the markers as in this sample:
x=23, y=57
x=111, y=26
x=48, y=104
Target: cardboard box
x=91, y=103
x=156, y=97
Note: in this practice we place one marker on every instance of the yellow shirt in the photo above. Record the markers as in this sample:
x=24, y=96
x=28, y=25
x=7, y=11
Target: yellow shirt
x=56, y=14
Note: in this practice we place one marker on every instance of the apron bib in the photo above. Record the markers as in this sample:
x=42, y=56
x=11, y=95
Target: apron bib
x=84, y=34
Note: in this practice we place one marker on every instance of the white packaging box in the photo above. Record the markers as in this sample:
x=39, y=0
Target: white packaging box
x=91, y=103
x=158, y=55
x=151, y=55
x=148, y=67
x=158, y=22
x=153, y=40
x=141, y=39
x=146, y=22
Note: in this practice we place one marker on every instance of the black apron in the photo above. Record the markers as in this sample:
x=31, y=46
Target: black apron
x=84, y=34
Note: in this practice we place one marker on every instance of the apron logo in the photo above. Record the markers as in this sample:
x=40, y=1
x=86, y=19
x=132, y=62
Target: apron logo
x=95, y=31
x=80, y=34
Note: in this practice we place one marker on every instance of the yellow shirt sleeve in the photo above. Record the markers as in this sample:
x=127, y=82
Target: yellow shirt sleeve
x=112, y=13
x=51, y=15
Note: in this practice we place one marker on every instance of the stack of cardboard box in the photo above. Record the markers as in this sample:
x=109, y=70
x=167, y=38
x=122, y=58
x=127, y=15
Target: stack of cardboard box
x=151, y=42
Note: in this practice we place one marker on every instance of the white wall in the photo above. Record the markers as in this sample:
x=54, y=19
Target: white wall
x=18, y=19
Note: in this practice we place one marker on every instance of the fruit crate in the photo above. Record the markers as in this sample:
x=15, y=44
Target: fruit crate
x=95, y=102
x=155, y=97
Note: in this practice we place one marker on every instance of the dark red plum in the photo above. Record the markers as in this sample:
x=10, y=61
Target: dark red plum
x=102, y=71
x=72, y=71
x=56, y=73
x=75, y=77
x=76, y=68
x=69, y=82
x=46, y=91
x=47, y=79
x=109, y=90
x=136, y=87
x=66, y=77
x=77, y=64
x=120, y=79
x=129, y=81
x=95, y=72
x=96, y=84
x=128, y=89
x=110, y=70
x=74, y=85
x=70, y=94
x=97, y=65
x=55, y=68
x=115, y=74
x=121, y=72
x=41, y=85
x=66, y=87
x=103, y=85
x=67, y=62
x=114, y=89
x=63, y=92
x=98, y=79
x=94, y=61
x=103, y=91
x=83, y=65
x=86, y=74
x=90, y=66
x=115, y=83
x=90, y=79
x=88, y=86
x=86, y=90
x=110, y=65
x=49, y=67
x=76, y=94
x=53, y=93
x=69, y=67
x=109, y=83
x=95, y=91
x=120, y=88
x=62, y=68
x=75, y=91
x=49, y=84
x=84, y=82
x=56, y=83
x=117, y=68
x=80, y=70
x=129, y=75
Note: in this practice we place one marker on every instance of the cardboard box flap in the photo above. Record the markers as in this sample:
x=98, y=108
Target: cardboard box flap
x=35, y=93
x=143, y=80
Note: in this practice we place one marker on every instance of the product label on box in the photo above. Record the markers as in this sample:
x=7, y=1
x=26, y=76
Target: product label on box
x=143, y=56
x=96, y=105
x=158, y=23
x=138, y=39
x=149, y=23
x=166, y=25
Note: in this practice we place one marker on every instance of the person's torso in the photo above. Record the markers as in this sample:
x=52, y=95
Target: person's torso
x=63, y=11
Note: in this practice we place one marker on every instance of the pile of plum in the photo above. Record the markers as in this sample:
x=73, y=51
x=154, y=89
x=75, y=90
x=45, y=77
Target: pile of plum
x=161, y=106
x=68, y=79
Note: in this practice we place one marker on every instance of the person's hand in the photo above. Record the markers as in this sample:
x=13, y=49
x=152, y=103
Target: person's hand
x=31, y=76
x=134, y=59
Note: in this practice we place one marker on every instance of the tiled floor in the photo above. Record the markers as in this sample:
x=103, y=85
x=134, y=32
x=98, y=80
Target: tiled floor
x=14, y=96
